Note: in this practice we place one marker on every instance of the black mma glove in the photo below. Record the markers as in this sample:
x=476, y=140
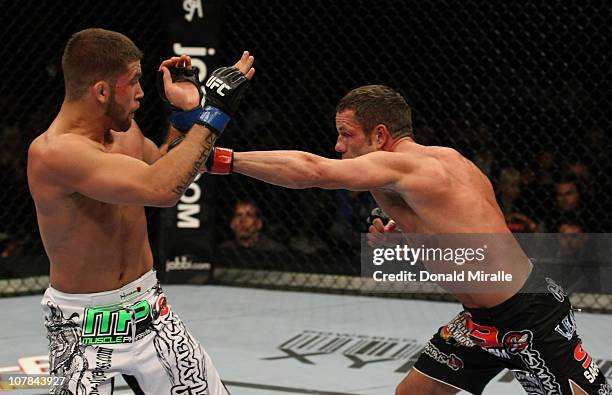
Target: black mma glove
x=182, y=120
x=226, y=86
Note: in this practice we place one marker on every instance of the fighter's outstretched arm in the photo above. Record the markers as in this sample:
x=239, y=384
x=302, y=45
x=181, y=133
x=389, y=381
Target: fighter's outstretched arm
x=298, y=169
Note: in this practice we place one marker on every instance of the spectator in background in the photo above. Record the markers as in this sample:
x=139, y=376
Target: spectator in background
x=247, y=225
x=570, y=207
x=578, y=255
x=568, y=196
x=572, y=240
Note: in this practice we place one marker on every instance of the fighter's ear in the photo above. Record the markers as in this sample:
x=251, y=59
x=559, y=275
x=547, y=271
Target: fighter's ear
x=381, y=135
x=101, y=91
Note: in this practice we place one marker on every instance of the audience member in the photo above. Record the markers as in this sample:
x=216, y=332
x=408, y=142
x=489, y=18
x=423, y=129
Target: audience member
x=572, y=240
x=247, y=225
x=570, y=206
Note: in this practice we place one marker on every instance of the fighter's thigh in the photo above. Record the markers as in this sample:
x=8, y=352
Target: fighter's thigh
x=178, y=359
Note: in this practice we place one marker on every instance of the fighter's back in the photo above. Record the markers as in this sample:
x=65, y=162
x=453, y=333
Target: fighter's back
x=92, y=246
x=446, y=194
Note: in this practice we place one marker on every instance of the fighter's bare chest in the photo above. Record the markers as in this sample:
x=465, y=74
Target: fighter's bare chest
x=107, y=216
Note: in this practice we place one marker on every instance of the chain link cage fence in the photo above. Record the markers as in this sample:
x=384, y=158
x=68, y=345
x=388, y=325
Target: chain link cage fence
x=521, y=89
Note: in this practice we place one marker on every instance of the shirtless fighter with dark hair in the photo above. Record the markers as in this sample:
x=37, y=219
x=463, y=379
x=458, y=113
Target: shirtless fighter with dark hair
x=91, y=174
x=435, y=190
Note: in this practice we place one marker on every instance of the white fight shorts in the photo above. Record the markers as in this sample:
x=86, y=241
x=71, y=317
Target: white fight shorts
x=131, y=331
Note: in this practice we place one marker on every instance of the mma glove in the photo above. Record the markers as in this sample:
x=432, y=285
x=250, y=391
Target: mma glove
x=226, y=86
x=181, y=119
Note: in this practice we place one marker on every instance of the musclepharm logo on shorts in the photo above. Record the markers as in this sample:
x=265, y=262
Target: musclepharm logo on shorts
x=108, y=326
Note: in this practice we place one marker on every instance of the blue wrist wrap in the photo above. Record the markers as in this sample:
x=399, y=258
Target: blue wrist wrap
x=216, y=119
x=184, y=120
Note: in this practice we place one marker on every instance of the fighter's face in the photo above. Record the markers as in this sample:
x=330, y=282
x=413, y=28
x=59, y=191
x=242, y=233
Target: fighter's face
x=352, y=140
x=125, y=98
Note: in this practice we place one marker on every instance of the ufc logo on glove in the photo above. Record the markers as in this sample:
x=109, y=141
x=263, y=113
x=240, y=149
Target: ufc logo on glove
x=214, y=82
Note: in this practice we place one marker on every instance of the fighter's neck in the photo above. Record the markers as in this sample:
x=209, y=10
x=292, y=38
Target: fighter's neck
x=400, y=144
x=74, y=118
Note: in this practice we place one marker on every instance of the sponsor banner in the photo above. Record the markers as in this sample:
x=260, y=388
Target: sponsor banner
x=194, y=29
x=489, y=263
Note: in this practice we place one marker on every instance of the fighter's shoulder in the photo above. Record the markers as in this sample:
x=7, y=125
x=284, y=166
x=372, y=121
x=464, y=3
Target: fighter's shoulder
x=414, y=156
x=50, y=149
x=442, y=153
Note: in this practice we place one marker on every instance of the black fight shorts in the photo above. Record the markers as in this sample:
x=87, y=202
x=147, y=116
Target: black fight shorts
x=531, y=334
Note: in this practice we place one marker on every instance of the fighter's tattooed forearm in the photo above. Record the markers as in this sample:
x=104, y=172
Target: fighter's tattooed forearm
x=207, y=146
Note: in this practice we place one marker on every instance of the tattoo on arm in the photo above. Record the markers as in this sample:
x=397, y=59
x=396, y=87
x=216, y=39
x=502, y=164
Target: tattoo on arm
x=188, y=178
